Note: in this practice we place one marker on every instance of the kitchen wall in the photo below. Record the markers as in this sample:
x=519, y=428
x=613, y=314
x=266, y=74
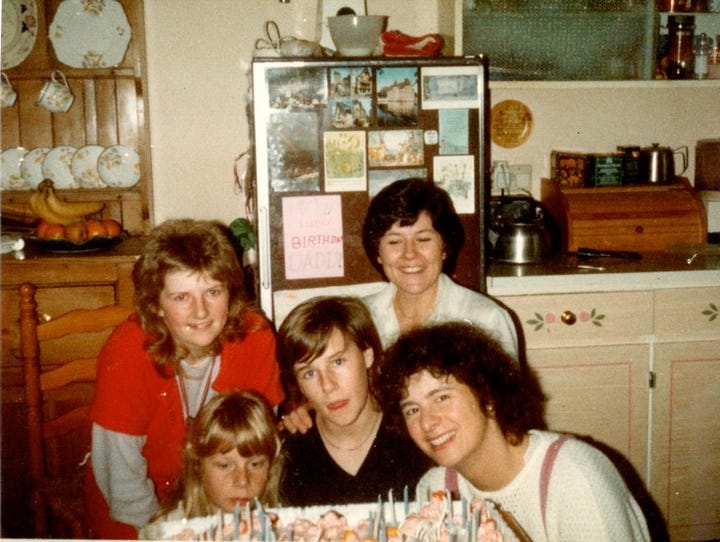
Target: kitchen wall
x=596, y=117
x=198, y=58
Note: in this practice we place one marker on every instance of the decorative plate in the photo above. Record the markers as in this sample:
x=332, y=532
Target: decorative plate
x=19, y=29
x=90, y=33
x=119, y=166
x=10, y=176
x=31, y=167
x=510, y=123
x=56, y=166
x=84, y=166
x=63, y=245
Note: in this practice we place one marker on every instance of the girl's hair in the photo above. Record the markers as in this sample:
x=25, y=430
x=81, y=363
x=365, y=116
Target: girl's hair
x=198, y=246
x=403, y=201
x=511, y=394
x=305, y=332
x=240, y=420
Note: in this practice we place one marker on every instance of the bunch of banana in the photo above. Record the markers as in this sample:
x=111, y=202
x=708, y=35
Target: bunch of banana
x=46, y=204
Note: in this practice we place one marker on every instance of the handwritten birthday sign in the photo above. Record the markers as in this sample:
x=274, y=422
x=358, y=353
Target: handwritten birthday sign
x=313, y=237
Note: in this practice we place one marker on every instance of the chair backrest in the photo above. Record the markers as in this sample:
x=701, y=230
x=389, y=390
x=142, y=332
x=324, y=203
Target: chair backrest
x=57, y=396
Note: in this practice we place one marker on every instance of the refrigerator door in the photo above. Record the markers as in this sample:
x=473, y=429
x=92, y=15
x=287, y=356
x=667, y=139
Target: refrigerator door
x=328, y=134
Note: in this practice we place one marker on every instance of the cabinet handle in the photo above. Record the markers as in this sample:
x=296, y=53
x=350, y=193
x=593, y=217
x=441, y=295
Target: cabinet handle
x=568, y=317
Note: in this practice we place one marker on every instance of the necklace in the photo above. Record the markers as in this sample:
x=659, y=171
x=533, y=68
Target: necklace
x=184, y=394
x=373, y=431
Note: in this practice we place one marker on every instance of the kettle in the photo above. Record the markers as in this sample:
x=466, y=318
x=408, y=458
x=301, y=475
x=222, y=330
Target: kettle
x=521, y=242
x=521, y=231
x=657, y=164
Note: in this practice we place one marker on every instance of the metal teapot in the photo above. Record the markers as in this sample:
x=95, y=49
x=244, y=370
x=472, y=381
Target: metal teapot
x=657, y=164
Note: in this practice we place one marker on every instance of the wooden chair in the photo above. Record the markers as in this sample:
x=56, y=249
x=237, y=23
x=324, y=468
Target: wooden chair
x=57, y=405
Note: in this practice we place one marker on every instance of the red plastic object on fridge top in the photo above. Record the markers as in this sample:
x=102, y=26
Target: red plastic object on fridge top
x=395, y=43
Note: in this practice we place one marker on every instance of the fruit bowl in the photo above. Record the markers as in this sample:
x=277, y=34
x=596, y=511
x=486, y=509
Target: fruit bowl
x=66, y=246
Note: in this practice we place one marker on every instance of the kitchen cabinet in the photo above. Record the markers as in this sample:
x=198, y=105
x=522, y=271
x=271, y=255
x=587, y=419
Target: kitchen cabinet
x=639, y=372
x=64, y=282
x=109, y=108
x=591, y=353
x=685, y=459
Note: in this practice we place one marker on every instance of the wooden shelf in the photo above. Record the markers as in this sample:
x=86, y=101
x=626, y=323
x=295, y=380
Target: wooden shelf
x=109, y=108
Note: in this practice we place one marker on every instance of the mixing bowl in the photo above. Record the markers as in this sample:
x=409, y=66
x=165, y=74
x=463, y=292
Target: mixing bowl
x=356, y=35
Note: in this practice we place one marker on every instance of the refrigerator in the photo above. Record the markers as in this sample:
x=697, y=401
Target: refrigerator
x=327, y=134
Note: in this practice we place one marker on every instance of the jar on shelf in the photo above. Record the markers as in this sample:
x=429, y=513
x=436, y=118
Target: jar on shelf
x=701, y=53
x=679, y=61
x=697, y=6
x=714, y=60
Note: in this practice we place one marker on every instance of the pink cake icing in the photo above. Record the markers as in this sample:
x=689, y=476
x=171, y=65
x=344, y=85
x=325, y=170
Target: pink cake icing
x=437, y=520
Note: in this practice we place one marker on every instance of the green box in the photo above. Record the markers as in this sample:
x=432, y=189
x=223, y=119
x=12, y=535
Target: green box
x=604, y=170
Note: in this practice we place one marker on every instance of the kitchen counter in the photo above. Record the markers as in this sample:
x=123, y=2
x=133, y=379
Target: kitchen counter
x=681, y=265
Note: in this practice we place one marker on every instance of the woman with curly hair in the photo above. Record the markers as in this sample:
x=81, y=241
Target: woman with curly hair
x=473, y=411
x=232, y=456
x=193, y=336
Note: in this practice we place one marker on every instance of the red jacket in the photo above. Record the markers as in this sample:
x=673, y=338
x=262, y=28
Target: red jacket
x=133, y=397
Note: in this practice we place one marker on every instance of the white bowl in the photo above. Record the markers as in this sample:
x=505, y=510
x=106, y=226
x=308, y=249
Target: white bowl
x=356, y=35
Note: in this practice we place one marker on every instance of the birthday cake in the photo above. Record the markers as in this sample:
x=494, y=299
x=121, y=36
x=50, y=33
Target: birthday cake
x=438, y=520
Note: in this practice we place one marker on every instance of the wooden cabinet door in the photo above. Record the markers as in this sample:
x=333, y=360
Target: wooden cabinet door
x=600, y=392
x=686, y=438
x=592, y=355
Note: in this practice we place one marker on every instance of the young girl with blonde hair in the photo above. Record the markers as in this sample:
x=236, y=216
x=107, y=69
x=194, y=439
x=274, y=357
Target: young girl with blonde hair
x=232, y=456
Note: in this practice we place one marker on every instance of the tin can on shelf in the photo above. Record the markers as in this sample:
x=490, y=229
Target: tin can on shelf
x=604, y=169
x=630, y=163
x=568, y=168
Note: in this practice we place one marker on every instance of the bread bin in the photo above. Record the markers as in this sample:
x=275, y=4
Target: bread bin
x=707, y=164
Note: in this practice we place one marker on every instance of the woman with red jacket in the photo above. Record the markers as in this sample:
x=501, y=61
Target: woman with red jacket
x=193, y=335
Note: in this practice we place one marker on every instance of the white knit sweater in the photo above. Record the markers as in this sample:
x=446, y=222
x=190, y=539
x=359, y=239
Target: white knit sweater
x=586, y=500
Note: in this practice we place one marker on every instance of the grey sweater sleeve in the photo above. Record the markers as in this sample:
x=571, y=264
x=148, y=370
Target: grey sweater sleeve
x=121, y=474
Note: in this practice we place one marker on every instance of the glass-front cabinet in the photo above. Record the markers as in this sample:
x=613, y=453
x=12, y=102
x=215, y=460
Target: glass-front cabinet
x=570, y=40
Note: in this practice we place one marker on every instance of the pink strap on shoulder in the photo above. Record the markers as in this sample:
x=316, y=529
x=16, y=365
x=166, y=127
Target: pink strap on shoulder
x=546, y=469
x=451, y=482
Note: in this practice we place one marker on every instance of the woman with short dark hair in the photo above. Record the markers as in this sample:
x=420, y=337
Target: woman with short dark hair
x=413, y=236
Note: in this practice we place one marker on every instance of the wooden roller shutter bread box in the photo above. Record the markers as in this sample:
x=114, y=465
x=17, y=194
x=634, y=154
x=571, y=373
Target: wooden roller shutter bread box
x=642, y=218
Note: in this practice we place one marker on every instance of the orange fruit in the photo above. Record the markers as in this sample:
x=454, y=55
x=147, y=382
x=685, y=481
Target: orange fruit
x=54, y=231
x=95, y=228
x=41, y=229
x=113, y=227
x=76, y=232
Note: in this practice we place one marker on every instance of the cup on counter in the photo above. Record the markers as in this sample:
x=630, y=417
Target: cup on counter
x=56, y=95
x=9, y=95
